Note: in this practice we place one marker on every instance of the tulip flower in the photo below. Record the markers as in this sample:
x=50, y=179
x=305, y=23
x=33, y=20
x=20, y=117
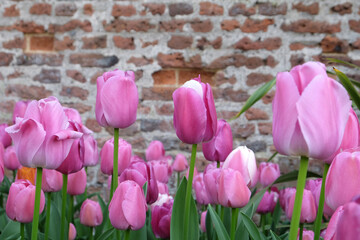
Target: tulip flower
x=72, y=231
x=110, y=181
x=161, y=170
x=306, y=235
x=73, y=115
x=314, y=185
x=284, y=197
x=116, y=99
x=331, y=228
x=160, y=219
x=221, y=145
x=200, y=190
x=308, y=207
x=162, y=187
x=268, y=202
x=5, y=138
x=127, y=209
x=268, y=173
x=20, y=202
x=107, y=153
x=77, y=182
x=243, y=160
x=91, y=153
x=11, y=161
x=20, y=109
x=211, y=181
x=155, y=151
x=52, y=180
x=1, y=162
x=203, y=221
x=90, y=213
x=180, y=164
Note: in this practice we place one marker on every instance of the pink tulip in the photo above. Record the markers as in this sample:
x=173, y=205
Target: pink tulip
x=135, y=158
x=52, y=180
x=20, y=202
x=127, y=208
x=343, y=179
x=91, y=153
x=203, y=221
x=195, y=119
x=162, y=198
x=180, y=164
x=90, y=213
x=349, y=221
x=1, y=162
x=308, y=207
x=141, y=172
x=314, y=185
x=116, y=99
x=77, y=182
x=268, y=173
x=331, y=228
x=72, y=231
x=11, y=161
x=107, y=156
x=221, y=145
x=5, y=138
x=306, y=105
x=155, y=151
x=73, y=115
x=200, y=190
x=110, y=181
x=42, y=137
x=268, y=202
x=20, y=109
x=160, y=219
x=162, y=187
x=307, y=235
x=284, y=197
x=211, y=181
x=161, y=170
x=243, y=160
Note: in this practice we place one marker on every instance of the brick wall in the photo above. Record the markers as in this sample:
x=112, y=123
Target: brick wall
x=60, y=47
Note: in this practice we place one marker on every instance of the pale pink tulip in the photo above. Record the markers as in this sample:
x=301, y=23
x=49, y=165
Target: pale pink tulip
x=180, y=164
x=90, y=213
x=77, y=182
x=52, y=180
x=268, y=173
x=11, y=161
x=107, y=156
x=155, y=151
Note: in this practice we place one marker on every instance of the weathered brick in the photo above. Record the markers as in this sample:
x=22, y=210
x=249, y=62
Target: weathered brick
x=66, y=44
x=252, y=26
x=164, y=77
x=154, y=8
x=180, y=9
x=201, y=26
x=15, y=74
x=124, y=42
x=180, y=42
x=82, y=108
x=312, y=9
x=118, y=25
x=220, y=79
x=71, y=25
x=123, y=10
x=171, y=60
x=7, y=106
x=149, y=125
x=256, y=114
x=344, y=8
x=88, y=9
x=93, y=125
x=256, y=146
x=152, y=43
x=354, y=25
x=41, y=43
x=77, y=92
x=268, y=97
x=222, y=62
x=40, y=59
x=206, y=76
x=265, y=128
x=356, y=44
x=229, y=25
x=242, y=130
x=40, y=9
x=300, y=45
x=333, y=44
x=158, y=93
x=297, y=59
x=204, y=42
x=165, y=109
x=27, y=27
x=76, y=75
x=224, y=114
x=11, y=11
x=172, y=25
x=5, y=58
x=254, y=78
x=140, y=61
x=27, y=92
x=15, y=43
x=211, y=9
x=241, y=9
x=144, y=109
x=48, y=76
x=229, y=94
x=309, y=26
x=268, y=43
x=65, y=9
x=95, y=76
x=93, y=60
x=94, y=42
x=270, y=9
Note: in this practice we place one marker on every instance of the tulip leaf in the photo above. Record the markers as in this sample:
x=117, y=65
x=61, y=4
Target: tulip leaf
x=251, y=227
x=108, y=234
x=274, y=236
x=334, y=60
x=276, y=215
x=219, y=226
x=345, y=81
x=209, y=227
x=55, y=222
x=256, y=96
x=11, y=229
x=104, y=208
x=292, y=176
x=5, y=185
x=139, y=234
x=145, y=187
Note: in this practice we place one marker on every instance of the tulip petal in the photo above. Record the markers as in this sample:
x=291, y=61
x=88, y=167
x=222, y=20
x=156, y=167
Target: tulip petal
x=323, y=110
x=53, y=116
x=99, y=112
x=134, y=207
x=211, y=117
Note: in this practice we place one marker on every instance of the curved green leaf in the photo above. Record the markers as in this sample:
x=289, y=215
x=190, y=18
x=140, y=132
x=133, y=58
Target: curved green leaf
x=219, y=226
x=334, y=60
x=345, y=81
x=250, y=227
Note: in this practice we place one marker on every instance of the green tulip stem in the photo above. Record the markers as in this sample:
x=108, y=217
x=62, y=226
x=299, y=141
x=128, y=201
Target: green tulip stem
x=222, y=212
x=263, y=222
x=301, y=231
x=218, y=164
x=91, y=233
x=127, y=234
x=188, y=191
x=319, y=215
x=22, y=231
x=86, y=170
x=63, y=207
x=295, y=219
x=71, y=207
x=47, y=220
x=14, y=175
x=234, y=218
x=115, y=164
x=35, y=223
x=178, y=180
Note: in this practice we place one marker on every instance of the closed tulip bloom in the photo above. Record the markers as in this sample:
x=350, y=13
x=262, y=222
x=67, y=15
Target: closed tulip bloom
x=72, y=231
x=308, y=207
x=343, y=179
x=1, y=162
x=331, y=228
x=161, y=170
x=73, y=115
x=91, y=152
x=307, y=235
x=180, y=164
x=77, y=182
x=195, y=119
x=221, y=145
x=211, y=181
x=243, y=160
x=162, y=198
x=200, y=189
x=314, y=185
x=203, y=221
x=349, y=221
x=155, y=151
x=90, y=213
x=20, y=109
x=42, y=137
x=107, y=156
x=52, y=180
x=162, y=187
x=127, y=209
x=268, y=173
x=160, y=219
x=268, y=202
x=5, y=138
x=11, y=161
x=306, y=105
x=116, y=99
x=20, y=202
x=284, y=197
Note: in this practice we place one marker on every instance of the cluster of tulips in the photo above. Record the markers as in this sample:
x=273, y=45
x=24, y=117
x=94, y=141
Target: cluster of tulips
x=52, y=149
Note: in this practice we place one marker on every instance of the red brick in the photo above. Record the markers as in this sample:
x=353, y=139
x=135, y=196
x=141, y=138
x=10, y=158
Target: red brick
x=41, y=43
x=211, y=9
x=342, y=9
x=268, y=43
x=201, y=26
x=71, y=25
x=354, y=25
x=171, y=60
x=220, y=79
x=15, y=43
x=123, y=10
x=140, y=61
x=123, y=42
x=265, y=128
x=77, y=92
x=356, y=44
x=5, y=58
x=180, y=9
x=65, y=9
x=95, y=76
x=297, y=59
x=226, y=114
x=252, y=26
x=256, y=114
x=222, y=62
x=154, y=8
x=27, y=27
x=309, y=26
x=206, y=76
x=258, y=78
x=270, y=9
x=40, y=9
x=312, y=9
x=268, y=97
x=15, y=74
x=229, y=94
x=270, y=61
x=93, y=60
x=27, y=92
x=66, y=44
x=300, y=45
x=242, y=130
x=172, y=25
x=7, y=106
x=48, y=76
x=241, y=9
x=40, y=59
x=144, y=109
x=88, y=9
x=11, y=11
x=94, y=42
x=118, y=25
x=158, y=93
x=164, y=77
x=146, y=44
x=330, y=44
x=165, y=109
x=229, y=25
x=82, y=108
x=93, y=125
x=76, y=75
x=180, y=42
x=204, y=42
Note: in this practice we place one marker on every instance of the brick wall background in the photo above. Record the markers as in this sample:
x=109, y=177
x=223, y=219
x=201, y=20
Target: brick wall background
x=60, y=47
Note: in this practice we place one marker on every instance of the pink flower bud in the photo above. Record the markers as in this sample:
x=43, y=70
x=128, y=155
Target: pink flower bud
x=203, y=221
x=1, y=162
x=11, y=161
x=200, y=189
x=308, y=207
x=90, y=213
x=72, y=232
x=52, y=180
x=161, y=170
x=180, y=164
x=107, y=156
x=160, y=219
x=268, y=202
x=307, y=234
x=349, y=221
x=211, y=181
x=331, y=229
x=155, y=151
x=163, y=188
x=77, y=182
x=268, y=173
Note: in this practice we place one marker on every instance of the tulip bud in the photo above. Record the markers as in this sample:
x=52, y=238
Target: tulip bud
x=5, y=138
x=180, y=164
x=307, y=234
x=331, y=228
x=163, y=188
x=203, y=221
x=314, y=185
x=90, y=213
x=107, y=156
x=77, y=182
x=72, y=231
x=268, y=173
x=284, y=197
x=20, y=109
x=308, y=207
x=211, y=181
x=200, y=190
x=11, y=161
x=160, y=219
x=349, y=221
x=1, y=162
x=155, y=151
x=268, y=202
x=161, y=170
x=52, y=180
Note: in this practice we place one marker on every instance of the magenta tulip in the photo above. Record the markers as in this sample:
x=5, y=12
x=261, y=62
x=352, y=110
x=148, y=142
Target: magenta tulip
x=20, y=109
x=331, y=228
x=155, y=151
x=107, y=156
x=77, y=182
x=72, y=231
x=307, y=235
x=42, y=137
x=306, y=105
x=268, y=202
x=200, y=190
x=160, y=219
x=11, y=161
x=90, y=213
x=5, y=138
x=284, y=197
x=195, y=119
x=91, y=153
x=127, y=209
x=73, y=115
x=349, y=221
x=268, y=173
x=52, y=180
x=211, y=181
x=203, y=221
x=308, y=207
x=116, y=99
x=20, y=202
x=2, y=153
x=221, y=145
x=180, y=164
x=161, y=170
x=243, y=160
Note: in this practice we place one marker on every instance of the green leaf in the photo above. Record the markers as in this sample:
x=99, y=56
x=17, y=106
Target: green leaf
x=219, y=226
x=256, y=96
x=55, y=222
x=10, y=229
x=227, y=219
x=145, y=187
x=107, y=234
x=349, y=87
x=276, y=215
x=353, y=81
x=104, y=208
x=5, y=185
x=292, y=176
x=251, y=227
x=209, y=227
x=274, y=236
x=334, y=60
x=139, y=234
